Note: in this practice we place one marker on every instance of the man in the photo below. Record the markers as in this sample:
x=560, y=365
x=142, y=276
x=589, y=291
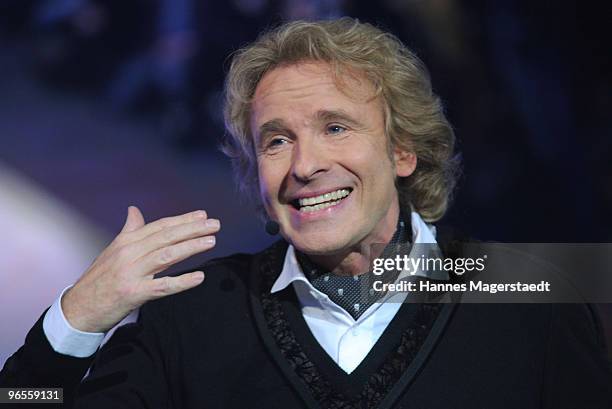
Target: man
x=336, y=132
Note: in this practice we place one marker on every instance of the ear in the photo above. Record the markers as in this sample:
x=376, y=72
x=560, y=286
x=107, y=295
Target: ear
x=405, y=162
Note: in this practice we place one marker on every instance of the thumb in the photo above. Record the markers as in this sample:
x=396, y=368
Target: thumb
x=134, y=220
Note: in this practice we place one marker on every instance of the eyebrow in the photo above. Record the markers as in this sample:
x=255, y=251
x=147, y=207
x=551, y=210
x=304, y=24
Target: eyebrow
x=273, y=125
x=268, y=128
x=338, y=115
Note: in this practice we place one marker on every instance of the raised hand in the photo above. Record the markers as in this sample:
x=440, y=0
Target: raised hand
x=121, y=279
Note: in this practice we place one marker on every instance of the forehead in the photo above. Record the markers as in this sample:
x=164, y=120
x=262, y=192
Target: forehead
x=308, y=86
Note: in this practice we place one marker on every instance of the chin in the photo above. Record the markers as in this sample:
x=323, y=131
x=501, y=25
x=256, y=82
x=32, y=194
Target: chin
x=320, y=244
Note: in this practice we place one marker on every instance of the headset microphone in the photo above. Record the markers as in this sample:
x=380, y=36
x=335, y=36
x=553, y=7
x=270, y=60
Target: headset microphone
x=272, y=228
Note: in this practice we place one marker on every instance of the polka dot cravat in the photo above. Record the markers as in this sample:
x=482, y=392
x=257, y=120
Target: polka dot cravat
x=355, y=294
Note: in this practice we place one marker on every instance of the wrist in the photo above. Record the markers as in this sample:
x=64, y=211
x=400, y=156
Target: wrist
x=73, y=315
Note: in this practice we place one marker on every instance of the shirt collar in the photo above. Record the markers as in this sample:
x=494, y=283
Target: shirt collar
x=422, y=233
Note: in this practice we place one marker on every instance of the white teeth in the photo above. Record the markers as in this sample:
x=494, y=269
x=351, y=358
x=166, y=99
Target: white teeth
x=319, y=206
x=321, y=199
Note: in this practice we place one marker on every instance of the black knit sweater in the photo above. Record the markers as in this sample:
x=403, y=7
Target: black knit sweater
x=229, y=343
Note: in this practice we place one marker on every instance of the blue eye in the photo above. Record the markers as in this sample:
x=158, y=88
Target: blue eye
x=276, y=143
x=335, y=129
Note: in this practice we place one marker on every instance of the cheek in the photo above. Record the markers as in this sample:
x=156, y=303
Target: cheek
x=265, y=181
x=378, y=180
x=270, y=179
x=372, y=163
x=358, y=153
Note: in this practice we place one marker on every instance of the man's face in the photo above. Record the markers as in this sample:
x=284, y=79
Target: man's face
x=325, y=174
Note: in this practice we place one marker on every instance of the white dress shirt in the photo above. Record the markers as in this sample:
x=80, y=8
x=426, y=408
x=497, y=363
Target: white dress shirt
x=346, y=340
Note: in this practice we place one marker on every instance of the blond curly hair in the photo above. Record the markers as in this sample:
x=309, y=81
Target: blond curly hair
x=414, y=116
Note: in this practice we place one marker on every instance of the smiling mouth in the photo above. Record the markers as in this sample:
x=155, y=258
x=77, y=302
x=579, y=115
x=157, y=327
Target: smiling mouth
x=312, y=204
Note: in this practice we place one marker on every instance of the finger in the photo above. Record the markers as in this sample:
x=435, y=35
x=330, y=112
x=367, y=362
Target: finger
x=164, y=286
x=174, y=235
x=161, y=259
x=160, y=224
x=134, y=220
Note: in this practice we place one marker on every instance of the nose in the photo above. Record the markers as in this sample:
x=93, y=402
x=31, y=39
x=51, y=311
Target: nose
x=308, y=160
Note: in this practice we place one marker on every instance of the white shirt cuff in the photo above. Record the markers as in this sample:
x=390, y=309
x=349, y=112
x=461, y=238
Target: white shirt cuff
x=65, y=339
